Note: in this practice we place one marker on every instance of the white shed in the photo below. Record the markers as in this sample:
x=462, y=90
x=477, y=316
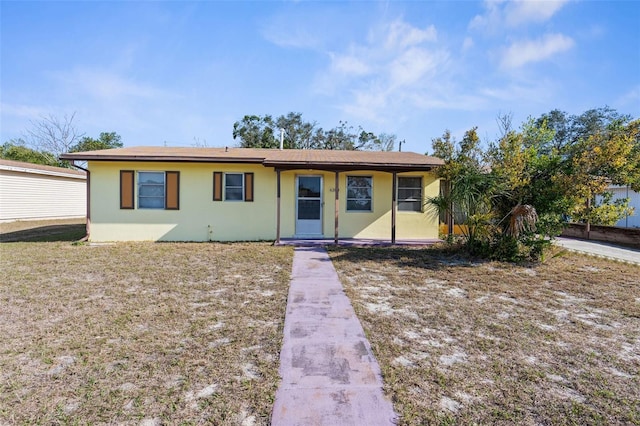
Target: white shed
x=632, y=221
x=32, y=191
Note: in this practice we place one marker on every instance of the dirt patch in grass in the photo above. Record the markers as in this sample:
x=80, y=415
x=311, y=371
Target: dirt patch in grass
x=461, y=342
x=141, y=333
x=43, y=230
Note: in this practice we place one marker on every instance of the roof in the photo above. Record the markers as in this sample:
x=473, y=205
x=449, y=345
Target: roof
x=22, y=167
x=280, y=159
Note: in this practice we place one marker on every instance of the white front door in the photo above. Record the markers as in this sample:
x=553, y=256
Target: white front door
x=309, y=206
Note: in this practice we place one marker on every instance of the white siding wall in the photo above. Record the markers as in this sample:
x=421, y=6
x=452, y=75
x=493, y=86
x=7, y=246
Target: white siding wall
x=632, y=221
x=39, y=196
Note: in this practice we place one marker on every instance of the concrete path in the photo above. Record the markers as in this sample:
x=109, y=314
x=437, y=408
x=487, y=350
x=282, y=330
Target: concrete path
x=596, y=248
x=329, y=374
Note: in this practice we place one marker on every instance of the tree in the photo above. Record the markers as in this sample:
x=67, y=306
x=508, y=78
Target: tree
x=17, y=150
x=298, y=134
x=608, y=156
x=255, y=131
x=105, y=141
x=53, y=134
x=462, y=167
x=384, y=142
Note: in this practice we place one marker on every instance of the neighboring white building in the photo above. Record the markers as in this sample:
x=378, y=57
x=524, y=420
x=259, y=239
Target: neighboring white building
x=619, y=192
x=32, y=191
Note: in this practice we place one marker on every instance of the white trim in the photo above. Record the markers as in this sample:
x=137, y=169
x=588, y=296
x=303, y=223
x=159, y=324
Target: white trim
x=319, y=221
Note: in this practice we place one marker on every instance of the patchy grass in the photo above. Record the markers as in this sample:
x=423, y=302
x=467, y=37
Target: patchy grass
x=462, y=342
x=140, y=332
x=43, y=230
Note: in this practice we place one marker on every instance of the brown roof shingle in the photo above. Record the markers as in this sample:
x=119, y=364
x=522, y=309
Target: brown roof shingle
x=26, y=167
x=284, y=159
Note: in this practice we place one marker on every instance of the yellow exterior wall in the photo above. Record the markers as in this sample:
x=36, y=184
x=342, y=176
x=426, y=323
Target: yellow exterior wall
x=375, y=224
x=201, y=219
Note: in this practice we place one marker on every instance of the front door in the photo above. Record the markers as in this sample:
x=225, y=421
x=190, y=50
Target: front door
x=309, y=206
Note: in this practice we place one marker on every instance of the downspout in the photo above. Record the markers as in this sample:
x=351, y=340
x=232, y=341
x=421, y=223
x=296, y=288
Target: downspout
x=88, y=226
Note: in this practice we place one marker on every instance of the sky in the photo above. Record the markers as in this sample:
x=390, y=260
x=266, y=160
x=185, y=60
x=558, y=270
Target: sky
x=180, y=73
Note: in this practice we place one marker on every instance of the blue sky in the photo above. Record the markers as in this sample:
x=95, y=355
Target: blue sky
x=177, y=72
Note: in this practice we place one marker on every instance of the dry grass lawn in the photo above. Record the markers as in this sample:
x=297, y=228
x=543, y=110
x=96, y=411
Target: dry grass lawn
x=460, y=342
x=140, y=333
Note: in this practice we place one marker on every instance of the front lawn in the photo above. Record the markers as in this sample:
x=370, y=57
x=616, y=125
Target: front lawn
x=140, y=333
x=462, y=342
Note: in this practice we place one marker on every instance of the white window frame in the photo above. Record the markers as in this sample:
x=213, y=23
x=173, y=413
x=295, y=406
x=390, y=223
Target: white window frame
x=140, y=184
x=410, y=199
x=225, y=187
x=370, y=199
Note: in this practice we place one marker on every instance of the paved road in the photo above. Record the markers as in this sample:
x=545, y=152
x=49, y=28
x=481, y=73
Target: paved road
x=600, y=249
x=329, y=374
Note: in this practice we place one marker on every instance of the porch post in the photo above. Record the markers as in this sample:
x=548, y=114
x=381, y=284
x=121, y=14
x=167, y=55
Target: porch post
x=394, y=207
x=337, y=207
x=278, y=207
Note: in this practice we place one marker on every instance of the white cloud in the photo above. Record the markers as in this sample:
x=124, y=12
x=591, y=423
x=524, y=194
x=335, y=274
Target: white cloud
x=630, y=99
x=402, y=35
x=380, y=75
x=349, y=65
x=413, y=65
x=22, y=111
x=523, y=52
x=468, y=43
x=106, y=86
x=500, y=13
x=522, y=12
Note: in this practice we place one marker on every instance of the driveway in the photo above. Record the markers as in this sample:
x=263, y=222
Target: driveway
x=600, y=249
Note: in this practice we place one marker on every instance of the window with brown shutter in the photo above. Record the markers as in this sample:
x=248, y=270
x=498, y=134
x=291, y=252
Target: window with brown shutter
x=217, y=186
x=127, y=192
x=248, y=186
x=172, y=191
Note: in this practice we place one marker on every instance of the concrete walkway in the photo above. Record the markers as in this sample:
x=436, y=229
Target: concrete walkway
x=596, y=248
x=329, y=374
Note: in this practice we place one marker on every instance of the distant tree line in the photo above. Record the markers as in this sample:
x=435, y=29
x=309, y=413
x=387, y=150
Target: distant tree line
x=46, y=139
x=255, y=131
x=517, y=192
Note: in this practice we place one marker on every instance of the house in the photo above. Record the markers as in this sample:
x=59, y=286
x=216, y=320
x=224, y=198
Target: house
x=33, y=191
x=236, y=194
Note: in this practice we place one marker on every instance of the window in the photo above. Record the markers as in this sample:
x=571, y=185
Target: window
x=232, y=186
x=151, y=190
x=156, y=190
x=410, y=194
x=359, y=193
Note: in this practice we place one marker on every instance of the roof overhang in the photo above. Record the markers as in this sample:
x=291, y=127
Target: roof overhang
x=278, y=159
x=398, y=168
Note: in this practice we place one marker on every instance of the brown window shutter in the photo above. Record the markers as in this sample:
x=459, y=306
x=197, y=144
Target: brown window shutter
x=248, y=186
x=172, y=191
x=217, y=186
x=127, y=193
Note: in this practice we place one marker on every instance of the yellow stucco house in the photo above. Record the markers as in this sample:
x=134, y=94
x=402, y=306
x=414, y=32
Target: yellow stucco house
x=243, y=194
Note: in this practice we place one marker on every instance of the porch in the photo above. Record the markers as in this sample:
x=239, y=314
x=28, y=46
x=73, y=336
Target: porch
x=356, y=242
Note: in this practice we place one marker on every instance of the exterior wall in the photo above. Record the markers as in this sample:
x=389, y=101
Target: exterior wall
x=30, y=196
x=609, y=234
x=201, y=219
x=632, y=221
x=368, y=225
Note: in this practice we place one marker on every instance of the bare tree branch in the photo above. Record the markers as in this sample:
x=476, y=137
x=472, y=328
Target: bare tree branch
x=52, y=134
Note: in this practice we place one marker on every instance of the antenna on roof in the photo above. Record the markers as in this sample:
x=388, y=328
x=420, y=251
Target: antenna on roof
x=400, y=145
